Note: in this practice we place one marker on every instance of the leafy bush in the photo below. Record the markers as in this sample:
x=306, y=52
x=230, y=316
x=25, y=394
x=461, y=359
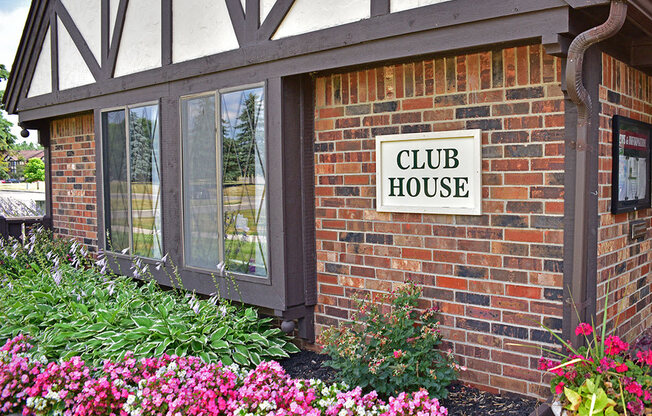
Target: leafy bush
x=601, y=378
x=51, y=291
x=393, y=351
x=172, y=385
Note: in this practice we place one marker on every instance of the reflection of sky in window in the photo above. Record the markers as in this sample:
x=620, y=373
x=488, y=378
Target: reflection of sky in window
x=232, y=104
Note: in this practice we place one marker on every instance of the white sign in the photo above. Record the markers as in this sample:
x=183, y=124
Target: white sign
x=430, y=173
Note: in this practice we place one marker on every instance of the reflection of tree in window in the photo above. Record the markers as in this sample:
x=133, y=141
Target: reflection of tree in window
x=243, y=173
x=116, y=182
x=145, y=181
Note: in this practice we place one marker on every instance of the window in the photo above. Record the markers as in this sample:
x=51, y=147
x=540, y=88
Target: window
x=132, y=180
x=224, y=186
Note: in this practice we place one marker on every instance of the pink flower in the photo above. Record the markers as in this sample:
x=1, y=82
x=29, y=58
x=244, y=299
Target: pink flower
x=622, y=368
x=583, y=329
x=398, y=353
x=559, y=388
x=615, y=345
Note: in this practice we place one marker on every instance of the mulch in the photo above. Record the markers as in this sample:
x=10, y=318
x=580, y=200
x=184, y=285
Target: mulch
x=461, y=401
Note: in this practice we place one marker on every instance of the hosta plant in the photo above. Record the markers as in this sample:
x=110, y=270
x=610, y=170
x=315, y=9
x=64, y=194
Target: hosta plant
x=74, y=306
x=391, y=347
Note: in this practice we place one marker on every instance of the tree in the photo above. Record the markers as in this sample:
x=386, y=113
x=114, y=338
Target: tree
x=35, y=170
x=26, y=146
x=6, y=138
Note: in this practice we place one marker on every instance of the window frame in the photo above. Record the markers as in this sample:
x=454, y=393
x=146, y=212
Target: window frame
x=217, y=93
x=106, y=201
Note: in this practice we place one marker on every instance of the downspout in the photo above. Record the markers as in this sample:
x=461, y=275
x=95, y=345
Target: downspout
x=579, y=95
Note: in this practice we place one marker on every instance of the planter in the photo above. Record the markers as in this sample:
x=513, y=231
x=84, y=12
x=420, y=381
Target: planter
x=545, y=409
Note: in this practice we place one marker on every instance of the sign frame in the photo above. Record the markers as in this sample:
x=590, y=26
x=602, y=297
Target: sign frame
x=475, y=189
x=619, y=205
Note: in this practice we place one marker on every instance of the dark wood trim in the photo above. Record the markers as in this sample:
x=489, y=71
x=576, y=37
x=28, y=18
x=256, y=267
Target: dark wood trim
x=112, y=57
x=54, y=52
x=23, y=68
x=78, y=40
x=498, y=14
x=309, y=246
x=274, y=18
x=252, y=19
x=525, y=27
x=379, y=7
x=166, y=32
x=237, y=20
x=23, y=53
x=106, y=30
x=577, y=4
x=642, y=53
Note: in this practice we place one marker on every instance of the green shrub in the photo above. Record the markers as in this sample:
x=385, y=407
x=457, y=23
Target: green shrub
x=53, y=292
x=391, y=348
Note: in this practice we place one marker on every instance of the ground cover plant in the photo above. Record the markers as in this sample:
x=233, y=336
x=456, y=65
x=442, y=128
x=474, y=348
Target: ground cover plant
x=391, y=347
x=72, y=305
x=173, y=385
x=603, y=377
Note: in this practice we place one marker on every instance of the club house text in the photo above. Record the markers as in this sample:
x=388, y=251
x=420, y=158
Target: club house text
x=414, y=185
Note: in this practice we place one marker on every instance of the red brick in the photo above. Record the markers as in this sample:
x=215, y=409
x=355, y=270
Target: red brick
x=523, y=291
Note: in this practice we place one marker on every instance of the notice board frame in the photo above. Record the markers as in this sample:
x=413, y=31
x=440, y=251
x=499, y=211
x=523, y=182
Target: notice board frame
x=622, y=167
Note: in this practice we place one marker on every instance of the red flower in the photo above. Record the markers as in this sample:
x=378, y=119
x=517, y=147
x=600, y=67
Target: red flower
x=622, y=368
x=615, y=345
x=559, y=389
x=583, y=329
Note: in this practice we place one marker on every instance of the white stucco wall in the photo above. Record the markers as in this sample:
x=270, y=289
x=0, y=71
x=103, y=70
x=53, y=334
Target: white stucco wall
x=200, y=28
x=73, y=71
x=113, y=14
x=140, y=47
x=310, y=15
x=400, y=5
x=42, y=79
x=87, y=15
x=265, y=7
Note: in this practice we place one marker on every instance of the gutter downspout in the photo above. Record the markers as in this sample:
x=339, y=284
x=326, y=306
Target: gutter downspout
x=579, y=95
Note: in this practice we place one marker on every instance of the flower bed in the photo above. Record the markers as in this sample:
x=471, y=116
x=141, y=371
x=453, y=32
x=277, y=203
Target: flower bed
x=603, y=378
x=173, y=385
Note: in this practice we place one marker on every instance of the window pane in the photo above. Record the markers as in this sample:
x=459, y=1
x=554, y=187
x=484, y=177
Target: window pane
x=200, y=197
x=116, y=185
x=243, y=176
x=145, y=169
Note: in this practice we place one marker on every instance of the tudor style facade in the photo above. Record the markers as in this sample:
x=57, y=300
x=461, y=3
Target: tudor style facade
x=242, y=133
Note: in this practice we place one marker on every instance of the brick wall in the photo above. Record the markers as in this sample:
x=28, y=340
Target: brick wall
x=74, y=204
x=623, y=264
x=495, y=276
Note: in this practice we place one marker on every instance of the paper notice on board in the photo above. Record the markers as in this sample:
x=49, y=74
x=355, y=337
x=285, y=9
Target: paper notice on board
x=622, y=177
x=642, y=162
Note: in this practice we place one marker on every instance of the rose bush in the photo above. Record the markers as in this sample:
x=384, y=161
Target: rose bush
x=391, y=347
x=173, y=385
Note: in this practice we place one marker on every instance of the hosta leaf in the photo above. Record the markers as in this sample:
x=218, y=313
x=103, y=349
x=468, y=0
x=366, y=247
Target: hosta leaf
x=219, y=334
x=240, y=359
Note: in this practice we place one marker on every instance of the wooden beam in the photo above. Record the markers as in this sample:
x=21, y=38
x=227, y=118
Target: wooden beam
x=252, y=19
x=379, y=7
x=274, y=19
x=78, y=40
x=54, y=52
x=237, y=20
x=112, y=57
x=106, y=30
x=166, y=32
